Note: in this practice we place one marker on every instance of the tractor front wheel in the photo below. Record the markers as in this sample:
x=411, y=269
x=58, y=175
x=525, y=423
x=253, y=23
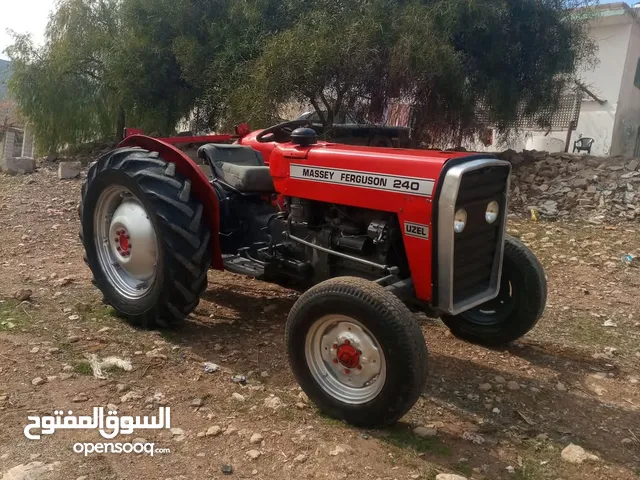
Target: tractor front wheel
x=517, y=308
x=144, y=236
x=356, y=351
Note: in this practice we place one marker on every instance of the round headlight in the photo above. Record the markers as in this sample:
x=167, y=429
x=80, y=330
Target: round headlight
x=493, y=209
x=460, y=220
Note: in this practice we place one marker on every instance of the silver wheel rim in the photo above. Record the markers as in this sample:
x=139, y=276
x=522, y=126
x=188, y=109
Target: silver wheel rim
x=126, y=242
x=339, y=375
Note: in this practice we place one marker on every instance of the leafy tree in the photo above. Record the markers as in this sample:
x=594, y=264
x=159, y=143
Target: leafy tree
x=448, y=58
x=219, y=62
x=66, y=88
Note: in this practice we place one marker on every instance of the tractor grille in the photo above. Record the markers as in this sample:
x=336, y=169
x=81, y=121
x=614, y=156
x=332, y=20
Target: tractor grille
x=475, y=249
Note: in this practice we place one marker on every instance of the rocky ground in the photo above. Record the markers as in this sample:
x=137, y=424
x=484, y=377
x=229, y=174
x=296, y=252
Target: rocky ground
x=562, y=403
x=557, y=185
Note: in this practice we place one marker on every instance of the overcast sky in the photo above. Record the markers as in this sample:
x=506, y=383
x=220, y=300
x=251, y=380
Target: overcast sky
x=30, y=16
x=23, y=16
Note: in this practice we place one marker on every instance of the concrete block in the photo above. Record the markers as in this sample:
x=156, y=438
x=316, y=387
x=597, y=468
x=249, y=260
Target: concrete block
x=68, y=170
x=20, y=165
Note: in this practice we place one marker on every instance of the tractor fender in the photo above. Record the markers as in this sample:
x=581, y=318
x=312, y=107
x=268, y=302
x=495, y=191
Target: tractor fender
x=200, y=185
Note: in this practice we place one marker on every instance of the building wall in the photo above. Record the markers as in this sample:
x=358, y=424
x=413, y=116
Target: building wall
x=599, y=121
x=627, y=124
x=612, y=34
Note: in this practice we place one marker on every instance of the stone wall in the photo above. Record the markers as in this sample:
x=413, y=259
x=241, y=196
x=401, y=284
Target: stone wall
x=596, y=189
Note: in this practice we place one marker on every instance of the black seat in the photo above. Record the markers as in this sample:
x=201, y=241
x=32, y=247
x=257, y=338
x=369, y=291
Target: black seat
x=239, y=166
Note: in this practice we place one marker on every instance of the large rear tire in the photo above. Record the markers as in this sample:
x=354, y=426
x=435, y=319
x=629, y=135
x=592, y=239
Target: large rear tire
x=357, y=351
x=517, y=308
x=145, y=238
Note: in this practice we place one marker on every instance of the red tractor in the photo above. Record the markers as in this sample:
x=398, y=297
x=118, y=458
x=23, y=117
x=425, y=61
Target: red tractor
x=373, y=233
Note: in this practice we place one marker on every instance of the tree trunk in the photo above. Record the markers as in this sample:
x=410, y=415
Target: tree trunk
x=120, y=124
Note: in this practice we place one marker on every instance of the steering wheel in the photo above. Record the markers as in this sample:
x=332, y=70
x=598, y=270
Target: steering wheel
x=282, y=132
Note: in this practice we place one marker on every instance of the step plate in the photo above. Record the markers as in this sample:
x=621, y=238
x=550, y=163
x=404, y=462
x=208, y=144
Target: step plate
x=243, y=266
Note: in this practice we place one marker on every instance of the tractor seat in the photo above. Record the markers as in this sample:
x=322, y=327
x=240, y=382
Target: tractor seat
x=238, y=166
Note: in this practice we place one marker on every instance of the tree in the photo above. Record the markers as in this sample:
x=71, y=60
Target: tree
x=154, y=62
x=66, y=88
x=448, y=58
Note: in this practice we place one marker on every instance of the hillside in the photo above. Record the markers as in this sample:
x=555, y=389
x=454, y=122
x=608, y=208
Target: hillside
x=4, y=77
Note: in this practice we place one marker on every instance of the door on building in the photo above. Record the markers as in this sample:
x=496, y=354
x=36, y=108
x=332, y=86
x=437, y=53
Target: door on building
x=636, y=150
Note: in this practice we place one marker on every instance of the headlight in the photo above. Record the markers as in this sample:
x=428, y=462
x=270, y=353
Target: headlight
x=460, y=220
x=493, y=209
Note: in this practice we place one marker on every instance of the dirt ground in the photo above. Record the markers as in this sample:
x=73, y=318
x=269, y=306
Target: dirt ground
x=574, y=377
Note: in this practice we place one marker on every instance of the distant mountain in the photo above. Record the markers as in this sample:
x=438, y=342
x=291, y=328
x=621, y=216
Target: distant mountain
x=4, y=76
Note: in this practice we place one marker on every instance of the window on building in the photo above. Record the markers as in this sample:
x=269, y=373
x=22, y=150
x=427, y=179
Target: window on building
x=636, y=80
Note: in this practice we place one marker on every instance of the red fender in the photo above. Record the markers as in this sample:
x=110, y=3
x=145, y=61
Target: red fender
x=199, y=184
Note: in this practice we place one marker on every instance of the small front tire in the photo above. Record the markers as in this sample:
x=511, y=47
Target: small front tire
x=517, y=308
x=357, y=351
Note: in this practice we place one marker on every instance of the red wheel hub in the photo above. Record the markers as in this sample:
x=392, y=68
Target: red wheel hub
x=123, y=242
x=348, y=355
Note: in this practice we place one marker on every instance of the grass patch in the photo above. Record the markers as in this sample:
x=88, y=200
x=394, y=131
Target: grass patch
x=102, y=311
x=402, y=437
x=169, y=336
x=331, y=421
x=12, y=315
x=465, y=469
x=83, y=368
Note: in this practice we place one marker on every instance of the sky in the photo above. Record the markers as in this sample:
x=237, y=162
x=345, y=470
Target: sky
x=23, y=16
x=31, y=16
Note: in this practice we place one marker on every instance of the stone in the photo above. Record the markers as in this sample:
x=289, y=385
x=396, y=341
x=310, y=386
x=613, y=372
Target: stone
x=121, y=388
x=30, y=471
x=273, y=402
x=576, y=454
x=511, y=385
x=256, y=438
x=300, y=458
x=254, y=454
x=226, y=469
x=230, y=430
x=213, y=431
x=272, y=307
x=626, y=441
x=337, y=451
x=236, y=396
x=473, y=437
x=127, y=397
x=20, y=165
x=633, y=165
x=38, y=381
x=197, y=402
x=499, y=380
x=23, y=295
x=264, y=374
x=561, y=387
x=579, y=182
x=449, y=476
x=68, y=170
x=425, y=432
x=81, y=397
x=484, y=387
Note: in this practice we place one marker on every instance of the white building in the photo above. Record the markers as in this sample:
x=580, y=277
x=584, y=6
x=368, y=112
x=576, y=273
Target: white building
x=612, y=118
x=614, y=124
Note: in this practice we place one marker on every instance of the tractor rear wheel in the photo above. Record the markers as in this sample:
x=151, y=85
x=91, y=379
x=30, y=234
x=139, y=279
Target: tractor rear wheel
x=357, y=351
x=145, y=238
